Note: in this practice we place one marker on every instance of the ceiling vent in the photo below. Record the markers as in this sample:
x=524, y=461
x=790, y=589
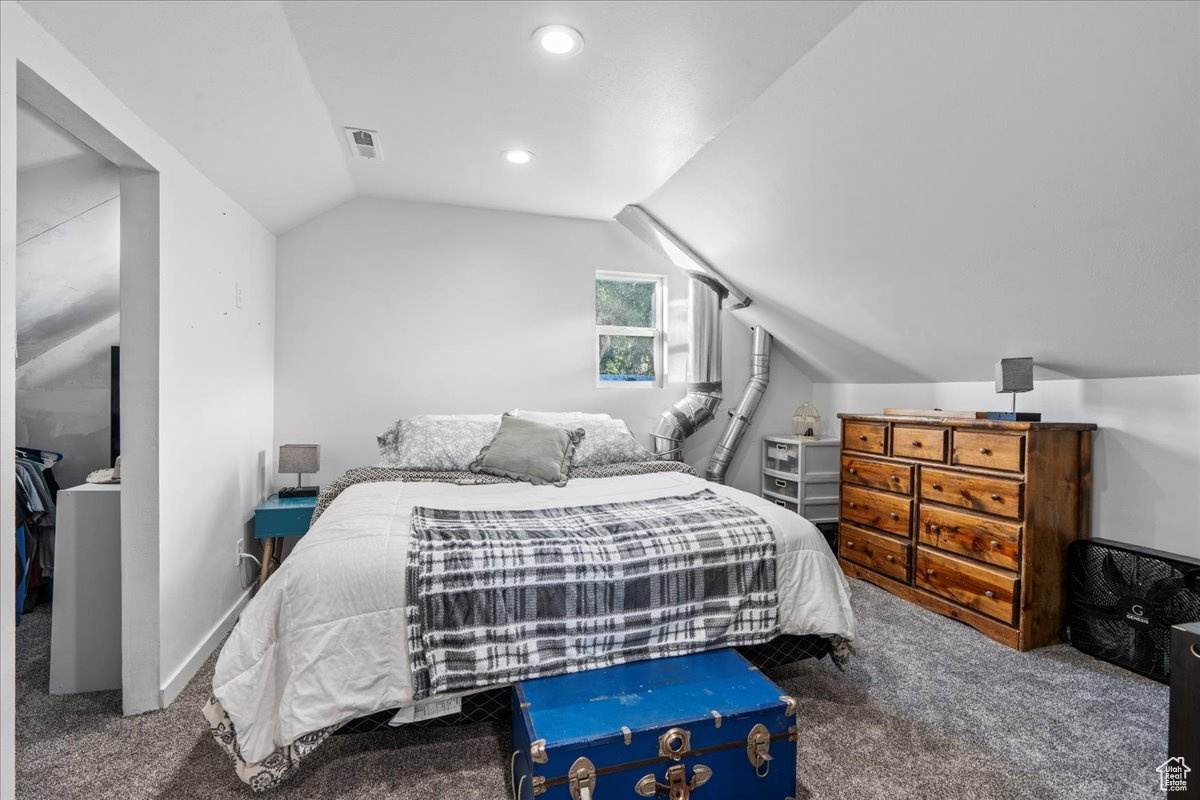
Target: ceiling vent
x=364, y=144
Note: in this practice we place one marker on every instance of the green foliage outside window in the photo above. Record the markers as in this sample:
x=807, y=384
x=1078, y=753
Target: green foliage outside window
x=626, y=304
x=629, y=304
x=626, y=358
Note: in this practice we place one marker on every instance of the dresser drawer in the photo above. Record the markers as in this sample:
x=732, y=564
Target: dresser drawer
x=981, y=538
x=983, y=589
x=1005, y=451
x=866, y=437
x=991, y=495
x=877, y=474
x=782, y=456
x=783, y=486
x=883, y=554
x=928, y=444
x=886, y=512
x=789, y=506
x=819, y=511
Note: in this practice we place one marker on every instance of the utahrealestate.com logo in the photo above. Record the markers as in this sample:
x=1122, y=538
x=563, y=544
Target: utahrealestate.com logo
x=1172, y=775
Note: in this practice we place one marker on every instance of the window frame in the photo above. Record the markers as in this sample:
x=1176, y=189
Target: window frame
x=659, y=332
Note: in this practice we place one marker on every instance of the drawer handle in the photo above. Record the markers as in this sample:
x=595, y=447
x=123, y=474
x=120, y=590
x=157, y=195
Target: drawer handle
x=929, y=572
x=995, y=544
x=1196, y=650
x=934, y=528
x=852, y=471
x=894, y=516
x=862, y=437
x=852, y=504
x=850, y=545
x=983, y=451
x=916, y=443
x=891, y=558
x=892, y=478
x=989, y=594
x=781, y=503
x=782, y=484
x=996, y=497
x=783, y=448
x=936, y=486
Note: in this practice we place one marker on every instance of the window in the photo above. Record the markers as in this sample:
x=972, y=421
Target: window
x=629, y=329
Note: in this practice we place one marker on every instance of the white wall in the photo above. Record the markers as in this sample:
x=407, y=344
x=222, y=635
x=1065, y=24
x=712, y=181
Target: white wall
x=64, y=399
x=937, y=185
x=197, y=400
x=388, y=309
x=1146, y=456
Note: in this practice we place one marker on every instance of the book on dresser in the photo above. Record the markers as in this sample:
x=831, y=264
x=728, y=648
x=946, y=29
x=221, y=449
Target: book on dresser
x=968, y=518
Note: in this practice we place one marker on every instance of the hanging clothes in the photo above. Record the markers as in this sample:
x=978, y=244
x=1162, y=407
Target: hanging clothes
x=36, y=492
x=22, y=571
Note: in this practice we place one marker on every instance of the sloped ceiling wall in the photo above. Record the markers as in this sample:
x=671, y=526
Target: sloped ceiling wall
x=938, y=185
x=68, y=236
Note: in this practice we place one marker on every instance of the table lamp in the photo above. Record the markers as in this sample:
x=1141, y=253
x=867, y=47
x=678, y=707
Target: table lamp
x=300, y=459
x=1014, y=375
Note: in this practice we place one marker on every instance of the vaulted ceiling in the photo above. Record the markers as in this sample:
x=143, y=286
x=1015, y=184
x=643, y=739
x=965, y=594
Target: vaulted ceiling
x=936, y=186
x=256, y=94
x=909, y=191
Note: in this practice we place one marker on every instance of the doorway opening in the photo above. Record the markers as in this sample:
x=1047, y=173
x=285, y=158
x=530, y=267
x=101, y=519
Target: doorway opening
x=68, y=262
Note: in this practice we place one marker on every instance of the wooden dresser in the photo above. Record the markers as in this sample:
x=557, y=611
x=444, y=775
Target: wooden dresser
x=969, y=518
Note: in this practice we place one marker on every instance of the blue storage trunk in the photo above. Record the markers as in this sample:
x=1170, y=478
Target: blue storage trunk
x=705, y=726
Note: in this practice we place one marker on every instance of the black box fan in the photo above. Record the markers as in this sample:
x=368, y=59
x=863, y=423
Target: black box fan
x=1122, y=601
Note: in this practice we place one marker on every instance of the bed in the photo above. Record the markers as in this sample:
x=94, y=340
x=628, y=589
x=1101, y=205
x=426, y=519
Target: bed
x=326, y=643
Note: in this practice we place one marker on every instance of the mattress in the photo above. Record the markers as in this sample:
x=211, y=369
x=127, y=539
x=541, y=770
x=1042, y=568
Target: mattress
x=325, y=640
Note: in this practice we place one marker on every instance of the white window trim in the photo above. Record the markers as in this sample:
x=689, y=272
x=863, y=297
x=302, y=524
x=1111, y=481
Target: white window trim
x=659, y=333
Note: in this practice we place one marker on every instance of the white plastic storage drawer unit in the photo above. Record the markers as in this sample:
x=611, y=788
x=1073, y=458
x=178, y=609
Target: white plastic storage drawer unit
x=802, y=475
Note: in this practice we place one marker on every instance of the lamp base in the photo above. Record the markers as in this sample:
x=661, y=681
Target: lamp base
x=1015, y=416
x=299, y=491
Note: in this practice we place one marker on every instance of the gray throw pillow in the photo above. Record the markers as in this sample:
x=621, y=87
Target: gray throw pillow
x=529, y=451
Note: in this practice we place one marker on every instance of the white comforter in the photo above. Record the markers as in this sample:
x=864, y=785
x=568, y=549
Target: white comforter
x=324, y=641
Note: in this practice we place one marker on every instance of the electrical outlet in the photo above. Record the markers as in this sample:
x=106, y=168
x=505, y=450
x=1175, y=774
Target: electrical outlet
x=240, y=545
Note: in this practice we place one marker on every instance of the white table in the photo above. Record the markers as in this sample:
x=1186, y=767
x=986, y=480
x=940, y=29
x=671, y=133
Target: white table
x=85, y=639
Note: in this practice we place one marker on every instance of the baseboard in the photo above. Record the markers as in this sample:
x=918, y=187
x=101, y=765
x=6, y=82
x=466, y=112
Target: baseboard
x=180, y=679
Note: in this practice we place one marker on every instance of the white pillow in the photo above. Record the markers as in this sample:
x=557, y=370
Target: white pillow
x=555, y=417
x=606, y=440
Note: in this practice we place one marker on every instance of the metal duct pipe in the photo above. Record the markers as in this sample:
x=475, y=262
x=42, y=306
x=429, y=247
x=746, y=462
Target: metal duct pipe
x=703, y=371
x=739, y=419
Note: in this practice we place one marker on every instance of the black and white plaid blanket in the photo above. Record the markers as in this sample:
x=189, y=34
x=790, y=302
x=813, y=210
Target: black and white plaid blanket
x=500, y=596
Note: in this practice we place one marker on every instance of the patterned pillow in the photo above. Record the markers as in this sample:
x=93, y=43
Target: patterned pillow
x=607, y=440
x=437, y=443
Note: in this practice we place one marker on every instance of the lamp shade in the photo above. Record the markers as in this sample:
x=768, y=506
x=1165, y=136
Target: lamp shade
x=300, y=458
x=1014, y=375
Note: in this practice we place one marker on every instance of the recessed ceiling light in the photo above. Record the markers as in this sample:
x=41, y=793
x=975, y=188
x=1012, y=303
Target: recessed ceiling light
x=558, y=40
x=517, y=156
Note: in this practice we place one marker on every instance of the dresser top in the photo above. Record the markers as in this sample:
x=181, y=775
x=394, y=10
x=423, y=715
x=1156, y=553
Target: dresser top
x=988, y=424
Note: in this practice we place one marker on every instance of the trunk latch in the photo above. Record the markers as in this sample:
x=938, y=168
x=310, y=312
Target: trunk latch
x=581, y=780
x=758, y=747
x=677, y=786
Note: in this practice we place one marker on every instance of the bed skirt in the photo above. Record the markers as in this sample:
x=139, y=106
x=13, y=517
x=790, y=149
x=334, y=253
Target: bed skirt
x=493, y=705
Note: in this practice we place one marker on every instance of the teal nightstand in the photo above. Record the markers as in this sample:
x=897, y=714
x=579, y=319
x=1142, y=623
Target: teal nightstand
x=280, y=518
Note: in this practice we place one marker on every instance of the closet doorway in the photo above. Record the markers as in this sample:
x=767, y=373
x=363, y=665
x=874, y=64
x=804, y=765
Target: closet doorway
x=80, y=320
x=68, y=264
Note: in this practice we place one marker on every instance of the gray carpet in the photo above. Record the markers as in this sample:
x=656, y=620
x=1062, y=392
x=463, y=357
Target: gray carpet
x=930, y=709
